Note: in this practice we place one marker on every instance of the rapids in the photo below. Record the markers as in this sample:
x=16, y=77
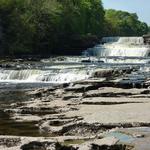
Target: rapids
x=44, y=76
x=120, y=46
x=114, y=52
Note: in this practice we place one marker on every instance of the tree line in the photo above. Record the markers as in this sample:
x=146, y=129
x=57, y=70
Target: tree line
x=60, y=26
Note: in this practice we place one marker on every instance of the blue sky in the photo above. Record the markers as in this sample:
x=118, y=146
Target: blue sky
x=141, y=7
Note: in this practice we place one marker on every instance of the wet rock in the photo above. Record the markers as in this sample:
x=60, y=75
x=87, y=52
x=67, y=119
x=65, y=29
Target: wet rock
x=92, y=81
x=39, y=111
x=37, y=93
x=82, y=129
x=77, y=88
x=111, y=101
x=7, y=66
x=113, y=147
x=107, y=103
x=10, y=142
x=100, y=73
x=112, y=92
x=72, y=95
x=138, y=135
x=55, y=110
x=41, y=92
x=86, y=61
x=26, y=118
x=58, y=93
x=81, y=87
x=99, y=93
x=108, y=143
x=62, y=126
x=32, y=143
x=145, y=92
x=35, y=145
x=141, y=136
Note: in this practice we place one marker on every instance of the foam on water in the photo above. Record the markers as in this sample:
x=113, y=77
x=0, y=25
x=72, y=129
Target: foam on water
x=123, y=50
x=48, y=76
x=121, y=46
x=122, y=60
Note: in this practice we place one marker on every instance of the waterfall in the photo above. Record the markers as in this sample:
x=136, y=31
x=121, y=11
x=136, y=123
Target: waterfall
x=131, y=40
x=44, y=76
x=124, y=40
x=121, y=46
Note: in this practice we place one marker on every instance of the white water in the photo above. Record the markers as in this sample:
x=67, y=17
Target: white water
x=121, y=46
x=122, y=60
x=40, y=76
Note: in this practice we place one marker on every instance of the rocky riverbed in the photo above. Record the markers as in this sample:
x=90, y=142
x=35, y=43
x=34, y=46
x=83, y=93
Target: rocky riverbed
x=109, y=110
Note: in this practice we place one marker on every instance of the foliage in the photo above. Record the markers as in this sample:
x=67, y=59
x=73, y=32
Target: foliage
x=42, y=26
x=53, y=26
x=121, y=23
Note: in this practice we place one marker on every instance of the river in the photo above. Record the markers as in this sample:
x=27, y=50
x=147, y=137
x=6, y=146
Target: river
x=18, y=76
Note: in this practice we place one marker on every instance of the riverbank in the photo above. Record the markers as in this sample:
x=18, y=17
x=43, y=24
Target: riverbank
x=94, y=113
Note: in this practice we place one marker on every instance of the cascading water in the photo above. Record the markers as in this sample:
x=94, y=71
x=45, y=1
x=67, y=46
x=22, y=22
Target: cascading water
x=54, y=76
x=121, y=46
x=70, y=69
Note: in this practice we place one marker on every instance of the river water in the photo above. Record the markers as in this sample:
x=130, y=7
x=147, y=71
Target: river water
x=116, y=52
x=18, y=76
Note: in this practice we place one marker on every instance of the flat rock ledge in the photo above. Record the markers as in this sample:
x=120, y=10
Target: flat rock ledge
x=28, y=143
x=79, y=115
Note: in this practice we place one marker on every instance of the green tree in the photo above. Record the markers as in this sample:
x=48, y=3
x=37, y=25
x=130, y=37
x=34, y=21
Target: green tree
x=122, y=23
x=45, y=26
x=53, y=26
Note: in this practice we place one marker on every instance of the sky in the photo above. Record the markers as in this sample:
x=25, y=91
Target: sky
x=141, y=7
